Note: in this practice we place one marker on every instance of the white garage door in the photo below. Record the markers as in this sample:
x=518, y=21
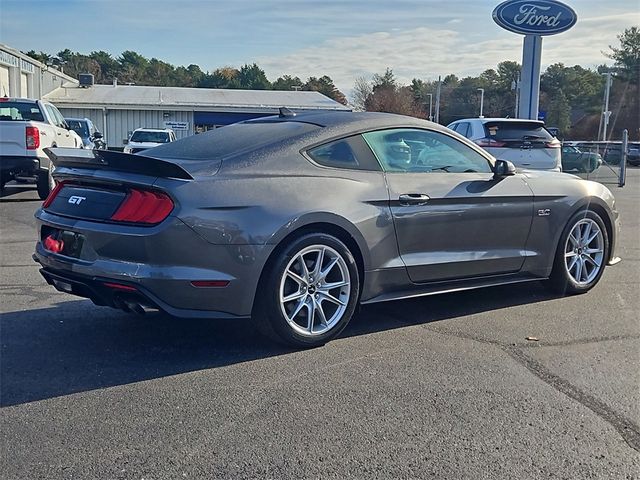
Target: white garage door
x=24, y=82
x=4, y=81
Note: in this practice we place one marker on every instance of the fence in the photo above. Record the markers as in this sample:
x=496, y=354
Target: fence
x=603, y=162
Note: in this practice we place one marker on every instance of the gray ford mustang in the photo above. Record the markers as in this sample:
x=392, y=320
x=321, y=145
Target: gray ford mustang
x=295, y=219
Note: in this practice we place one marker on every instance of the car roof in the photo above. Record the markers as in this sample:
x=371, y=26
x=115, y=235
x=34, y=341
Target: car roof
x=498, y=119
x=76, y=119
x=350, y=121
x=18, y=99
x=152, y=130
x=302, y=131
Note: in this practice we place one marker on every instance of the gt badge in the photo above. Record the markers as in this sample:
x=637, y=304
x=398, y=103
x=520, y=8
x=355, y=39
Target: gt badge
x=74, y=199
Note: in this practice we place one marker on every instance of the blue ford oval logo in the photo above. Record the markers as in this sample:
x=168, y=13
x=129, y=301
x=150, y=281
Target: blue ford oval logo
x=535, y=17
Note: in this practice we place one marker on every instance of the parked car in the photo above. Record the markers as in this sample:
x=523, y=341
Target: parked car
x=27, y=127
x=526, y=143
x=295, y=219
x=91, y=137
x=610, y=151
x=145, y=138
x=633, y=155
x=583, y=161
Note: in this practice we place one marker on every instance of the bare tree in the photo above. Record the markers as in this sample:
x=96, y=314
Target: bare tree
x=362, y=90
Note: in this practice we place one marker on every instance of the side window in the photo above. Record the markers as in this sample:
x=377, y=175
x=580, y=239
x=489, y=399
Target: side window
x=350, y=153
x=463, y=129
x=51, y=115
x=56, y=116
x=424, y=151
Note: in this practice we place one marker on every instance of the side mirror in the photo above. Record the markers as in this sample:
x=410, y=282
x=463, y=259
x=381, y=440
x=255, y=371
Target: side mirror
x=125, y=142
x=97, y=135
x=504, y=168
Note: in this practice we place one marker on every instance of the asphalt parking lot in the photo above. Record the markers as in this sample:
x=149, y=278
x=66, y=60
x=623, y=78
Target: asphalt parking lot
x=440, y=387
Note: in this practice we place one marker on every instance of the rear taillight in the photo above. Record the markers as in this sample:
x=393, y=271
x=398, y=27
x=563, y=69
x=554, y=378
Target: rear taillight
x=32, y=137
x=52, y=195
x=488, y=142
x=53, y=245
x=140, y=206
x=555, y=143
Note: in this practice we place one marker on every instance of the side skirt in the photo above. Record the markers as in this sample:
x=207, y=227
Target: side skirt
x=449, y=287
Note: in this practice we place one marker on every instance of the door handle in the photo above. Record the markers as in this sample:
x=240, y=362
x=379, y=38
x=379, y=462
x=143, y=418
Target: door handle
x=407, y=199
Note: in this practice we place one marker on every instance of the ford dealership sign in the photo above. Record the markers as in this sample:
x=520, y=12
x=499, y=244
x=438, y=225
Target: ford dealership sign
x=535, y=17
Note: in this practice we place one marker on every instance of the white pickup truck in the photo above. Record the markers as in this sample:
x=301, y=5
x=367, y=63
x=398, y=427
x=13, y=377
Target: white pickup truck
x=27, y=127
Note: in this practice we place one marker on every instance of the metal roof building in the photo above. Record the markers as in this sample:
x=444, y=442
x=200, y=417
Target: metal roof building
x=23, y=76
x=117, y=110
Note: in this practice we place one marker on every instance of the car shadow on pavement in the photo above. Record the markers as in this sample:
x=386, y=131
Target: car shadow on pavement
x=75, y=346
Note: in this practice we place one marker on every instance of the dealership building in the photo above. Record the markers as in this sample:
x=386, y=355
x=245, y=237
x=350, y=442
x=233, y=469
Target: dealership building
x=117, y=109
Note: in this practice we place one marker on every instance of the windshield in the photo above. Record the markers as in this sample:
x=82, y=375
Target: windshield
x=20, y=111
x=505, y=131
x=79, y=127
x=151, y=137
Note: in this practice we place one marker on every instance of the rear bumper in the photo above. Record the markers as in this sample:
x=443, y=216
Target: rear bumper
x=10, y=165
x=104, y=292
x=160, y=263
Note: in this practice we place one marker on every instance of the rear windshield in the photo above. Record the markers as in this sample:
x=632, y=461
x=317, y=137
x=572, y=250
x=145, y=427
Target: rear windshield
x=155, y=137
x=79, y=127
x=20, y=111
x=235, y=139
x=506, y=131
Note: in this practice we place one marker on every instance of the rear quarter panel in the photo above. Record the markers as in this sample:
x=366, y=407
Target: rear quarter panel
x=245, y=206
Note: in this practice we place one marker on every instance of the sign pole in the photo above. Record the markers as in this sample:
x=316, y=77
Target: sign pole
x=530, y=78
x=533, y=19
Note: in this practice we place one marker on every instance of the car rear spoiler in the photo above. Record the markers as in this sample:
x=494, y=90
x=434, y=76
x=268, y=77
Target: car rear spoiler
x=118, y=161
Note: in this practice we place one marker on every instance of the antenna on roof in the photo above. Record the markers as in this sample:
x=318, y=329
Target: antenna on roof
x=285, y=112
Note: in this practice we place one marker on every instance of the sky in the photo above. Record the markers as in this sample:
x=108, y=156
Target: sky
x=343, y=39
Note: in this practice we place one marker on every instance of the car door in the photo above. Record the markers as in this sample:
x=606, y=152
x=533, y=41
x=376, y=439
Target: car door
x=63, y=136
x=453, y=218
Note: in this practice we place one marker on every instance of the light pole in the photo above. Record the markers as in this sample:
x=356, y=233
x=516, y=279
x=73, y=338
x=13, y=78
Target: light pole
x=430, y=95
x=606, y=112
x=481, y=90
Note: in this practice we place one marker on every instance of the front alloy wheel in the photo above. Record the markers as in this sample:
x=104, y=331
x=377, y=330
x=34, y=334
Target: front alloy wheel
x=581, y=255
x=584, y=251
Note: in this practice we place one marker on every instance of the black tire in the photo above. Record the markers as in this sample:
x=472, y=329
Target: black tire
x=560, y=280
x=44, y=184
x=268, y=313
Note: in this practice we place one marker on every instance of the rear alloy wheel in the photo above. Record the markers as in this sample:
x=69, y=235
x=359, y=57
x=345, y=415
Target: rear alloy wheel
x=581, y=255
x=313, y=290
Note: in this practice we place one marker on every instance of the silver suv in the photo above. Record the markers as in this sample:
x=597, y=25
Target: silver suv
x=525, y=143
